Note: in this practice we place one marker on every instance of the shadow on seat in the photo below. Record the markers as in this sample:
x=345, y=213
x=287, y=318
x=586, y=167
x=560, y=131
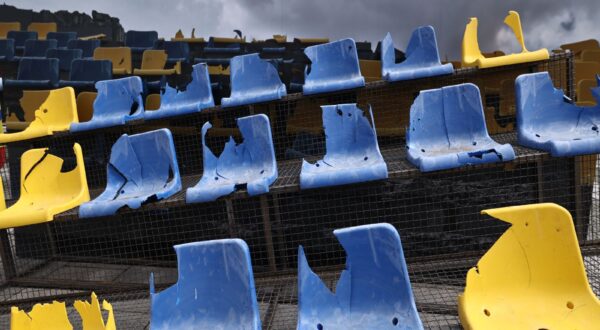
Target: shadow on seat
x=373, y=291
x=214, y=290
x=533, y=277
x=142, y=169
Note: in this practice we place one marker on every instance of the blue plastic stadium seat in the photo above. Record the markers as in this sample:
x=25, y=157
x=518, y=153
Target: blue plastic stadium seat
x=20, y=37
x=85, y=73
x=38, y=48
x=139, y=41
x=447, y=130
x=373, y=292
x=546, y=120
x=230, y=48
x=196, y=96
x=62, y=38
x=87, y=46
x=422, y=57
x=7, y=49
x=213, y=61
x=35, y=73
x=253, y=80
x=352, y=151
x=273, y=50
x=65, y=57
x=334, y=66
x=251, y=163
x=177, y=51
x=118, y=101
x=214, y=290
x=142, y=169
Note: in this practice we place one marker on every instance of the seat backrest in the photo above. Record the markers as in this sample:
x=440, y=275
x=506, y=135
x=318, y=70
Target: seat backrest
x=38, y=48
x=591, y=55
x=175, y=49
x=90, y=70
x=7, y=48
x=38, y=69
x=85, y=105
x=143, y=39
x=154, y=59
x=88, y=46
x=585, y=91
x=578, y=47
x=21, y=36
x=8, y=26
x=586, y=70
x=64, y=56
x=42, y=29
x=421, y=51
x=119, y=56
x=62, y=38
x=119, y=95
x=470, y=43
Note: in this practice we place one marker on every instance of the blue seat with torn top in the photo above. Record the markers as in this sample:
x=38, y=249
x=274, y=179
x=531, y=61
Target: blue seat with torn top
x=62, y=38
x=214, y=290
x=87, y=46
x=251, y=163
x=118, y=101
x=447, y=130
x=142, y=168
x=334, y=66
x=422, y=57
x=196, y=96
x=373, y=292
x=546, y=120
x=253, y=80
x=352, y=152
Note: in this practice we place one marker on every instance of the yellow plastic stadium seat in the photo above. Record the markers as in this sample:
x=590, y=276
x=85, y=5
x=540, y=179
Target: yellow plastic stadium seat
x=218, y=70
x=42, y=317
x=91, y=316
x=312, y=40
x=280, y=38
x=370, y=69
x=586, y=70
x=584, y=92
x=85, y=105
x=152, y=102
x=119, y=56
x=42, y=29
x=93, y=37
x=472, y=56
x=591, y=55
x=30, y=101
x=578, y=47
x=153, y=64
x=533, y=277
x=8, y=26
x=229, y=40
x=45, y=189
x=55, y=114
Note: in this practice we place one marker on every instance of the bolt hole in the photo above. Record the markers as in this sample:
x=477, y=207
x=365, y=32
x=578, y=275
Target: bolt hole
x=422, y=150
x=474, y=143
x=395, y=321
x=339, y=112
x=570, y=305
x=349, y=115
x=557, y=230
x=366, y=157
x=122, y=191
x=486, y=312
x=317, y=165
x=319, y=326
x=526, y=224
x=45, y=110
x=263, y=171
x=216, y=178
x=594, y=128
x=537, y=135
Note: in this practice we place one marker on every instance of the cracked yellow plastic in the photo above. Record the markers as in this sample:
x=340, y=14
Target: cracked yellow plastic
x=42, y=317
x=91, y=316
x=55, y=114
x=533, y=277
x=472, y=56
x=45, y=190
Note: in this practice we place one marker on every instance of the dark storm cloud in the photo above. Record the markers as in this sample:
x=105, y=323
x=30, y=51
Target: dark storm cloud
x=546, y=23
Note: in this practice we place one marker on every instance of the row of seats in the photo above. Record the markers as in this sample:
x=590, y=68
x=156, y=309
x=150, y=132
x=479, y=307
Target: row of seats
x=41, y=29
x=40, y=48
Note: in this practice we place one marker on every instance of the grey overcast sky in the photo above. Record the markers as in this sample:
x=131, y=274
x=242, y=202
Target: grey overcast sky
x=546, y=23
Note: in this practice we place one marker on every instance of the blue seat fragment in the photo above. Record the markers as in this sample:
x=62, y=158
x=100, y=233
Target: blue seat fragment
x=373, y=292
x=118, y=101
x=196, y=96
x=352, y=152
x=447, y=130
x=142, y=168
x=214, y=290
x=334, y=66
x=547, y=121
x=422, y=57
x=251, y=163
x=253, y=80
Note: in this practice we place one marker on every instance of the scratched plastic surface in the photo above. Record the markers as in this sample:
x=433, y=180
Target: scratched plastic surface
x=214, y=290
x=447, y=130
x=251, y=163
x=142, y=169
x=373, y=292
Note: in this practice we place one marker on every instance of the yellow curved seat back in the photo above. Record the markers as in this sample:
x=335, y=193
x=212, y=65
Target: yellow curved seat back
x=85, y=105
x=153, y=64
x=472, y=56
x=30, y=101
x=45, y=190
x=591, y=55
x=370, y=69
x=8, y=26
x=533, y=277
x=152, y=102
x=584, y=92
x=91, y=316
x=578, y=47
x=55, y=114
x=119, y=56
x=585, y=70
x=42, y=317
x=42, y=29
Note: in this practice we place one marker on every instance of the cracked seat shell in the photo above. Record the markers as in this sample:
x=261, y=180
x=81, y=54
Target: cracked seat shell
x=533, y=277
x=45, y=189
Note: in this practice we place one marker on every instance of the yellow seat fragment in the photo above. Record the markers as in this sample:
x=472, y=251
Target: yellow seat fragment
x=42, y=317
x=91, y=315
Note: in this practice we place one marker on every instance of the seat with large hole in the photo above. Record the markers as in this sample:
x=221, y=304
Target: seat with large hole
x=118, y=102
x=142, y=169
x=251, y=163
x=422, y=57
x=373, y=291
x=214, y=290
x=47, y=188
x=533, y=277
x=447, y=130
x=253, y=80
x=472, y=56
x=196, y=96
x=54, y=114
x=334, y=66
x=547, y=121
x=352, y=152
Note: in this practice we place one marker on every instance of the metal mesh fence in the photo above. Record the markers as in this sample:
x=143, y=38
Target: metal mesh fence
x=437, y=214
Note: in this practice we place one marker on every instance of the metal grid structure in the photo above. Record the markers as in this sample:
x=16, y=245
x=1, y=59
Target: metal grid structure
x=437, y=214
